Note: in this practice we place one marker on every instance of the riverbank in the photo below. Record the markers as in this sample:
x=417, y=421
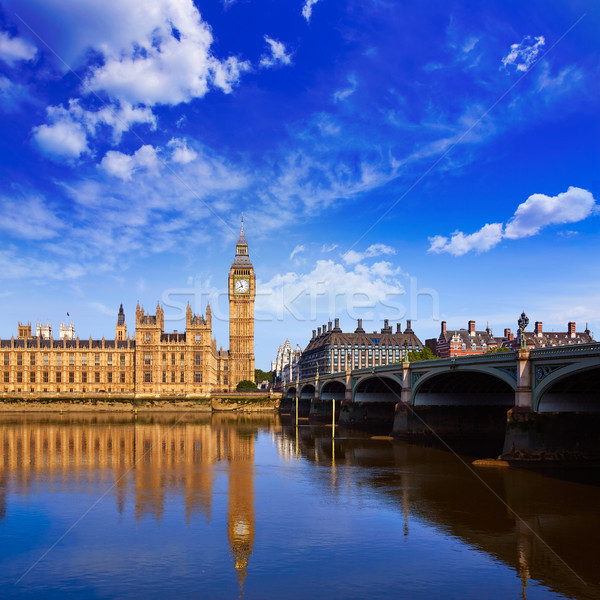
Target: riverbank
x=205, y=405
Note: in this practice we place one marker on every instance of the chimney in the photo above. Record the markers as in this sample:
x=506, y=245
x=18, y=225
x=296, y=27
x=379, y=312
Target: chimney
x=408, y=327
x=507, y=334
x=314, y=334
x=324, y=329
x=359, y=329
x=538, y=328
x=336, y=322
x=471, y=327
x=398, y=327
x=511, y=336
x=319, y=331
x=571, y=329
x=329, y=326
x=443, y=326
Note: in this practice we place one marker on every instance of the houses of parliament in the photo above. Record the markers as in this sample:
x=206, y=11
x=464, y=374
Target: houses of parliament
x=152, y=362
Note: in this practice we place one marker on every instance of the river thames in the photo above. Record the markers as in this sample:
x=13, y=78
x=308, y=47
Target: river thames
x=230, y=506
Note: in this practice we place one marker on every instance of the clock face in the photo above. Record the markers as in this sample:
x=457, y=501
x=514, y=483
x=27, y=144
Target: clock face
x=241, y=286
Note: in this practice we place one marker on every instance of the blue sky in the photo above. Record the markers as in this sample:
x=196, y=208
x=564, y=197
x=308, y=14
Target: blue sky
x=424, y=160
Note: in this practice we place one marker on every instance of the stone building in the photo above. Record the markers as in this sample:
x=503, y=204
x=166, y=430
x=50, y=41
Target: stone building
x=330, y=350
x=538, y=338
x=153, y=362
x=285, y=366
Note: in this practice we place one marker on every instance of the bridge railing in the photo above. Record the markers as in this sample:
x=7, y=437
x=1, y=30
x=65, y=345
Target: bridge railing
x=559, y=351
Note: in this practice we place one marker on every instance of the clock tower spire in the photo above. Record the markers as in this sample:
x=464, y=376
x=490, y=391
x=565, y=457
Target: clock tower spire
x=242, y=291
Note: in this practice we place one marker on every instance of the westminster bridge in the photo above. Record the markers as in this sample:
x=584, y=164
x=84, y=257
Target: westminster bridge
x=541, y=404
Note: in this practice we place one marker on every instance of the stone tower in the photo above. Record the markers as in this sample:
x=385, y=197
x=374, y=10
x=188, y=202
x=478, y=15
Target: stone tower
x=242, y=291
x=121, y=329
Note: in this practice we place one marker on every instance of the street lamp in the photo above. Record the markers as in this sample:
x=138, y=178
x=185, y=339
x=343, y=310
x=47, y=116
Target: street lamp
x=523, y=322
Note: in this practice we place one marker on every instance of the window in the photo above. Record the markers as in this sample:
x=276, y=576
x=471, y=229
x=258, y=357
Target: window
x=173, y=358
x=164, y=377
x=148, y=338
x=198, y=338
x=148, y=358
x=32, y=377
x=122, y=360
x=19, y=377
x=71, y=360
x=182, y=359
x=224, y=365
x=71, y=377
x=182, y=377
x=45, y=376
x=6, y=358
x=6, y=375
x=84, y=377
x=96, y=377
x=109, y=377
x=197, y=359
x=198, y=377
x=122, y=377
x=32, y=360
x=172, y=376
x=58, y=360
x=58, y=377
x=96, y=360
x=225, y=379
x=147, y=376
x=83, y=359
x=19, y=358
x=164, y=358
x=109, y=360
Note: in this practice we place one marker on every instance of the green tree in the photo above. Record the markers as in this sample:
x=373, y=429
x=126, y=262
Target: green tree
x=244, y=385
x=499, y=349
x=424, y=354
x=260, y=376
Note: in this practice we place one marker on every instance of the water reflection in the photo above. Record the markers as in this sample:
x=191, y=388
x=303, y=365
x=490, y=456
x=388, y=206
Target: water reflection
x=543, y=530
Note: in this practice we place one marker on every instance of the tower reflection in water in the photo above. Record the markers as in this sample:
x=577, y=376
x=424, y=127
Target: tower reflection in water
x=146, y=459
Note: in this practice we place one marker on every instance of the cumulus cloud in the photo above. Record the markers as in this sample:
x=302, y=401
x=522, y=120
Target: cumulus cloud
x=297, y=250
x=307, y=9
x=14, y=49
x=353, y=257
x=329, y=287
x=124, y=166
x=537, y=212
x=523, y=55
x=277, y=55
x=180, y=152
x=62, y=139
x=458, y=243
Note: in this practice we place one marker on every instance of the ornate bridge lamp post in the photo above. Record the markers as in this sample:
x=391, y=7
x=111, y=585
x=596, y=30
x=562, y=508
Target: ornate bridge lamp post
x=523, y=322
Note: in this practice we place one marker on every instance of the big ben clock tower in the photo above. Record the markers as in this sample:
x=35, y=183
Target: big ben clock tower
x=242, y=291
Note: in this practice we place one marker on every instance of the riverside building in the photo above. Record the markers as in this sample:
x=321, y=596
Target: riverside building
x=330, y=350
x=151, y=362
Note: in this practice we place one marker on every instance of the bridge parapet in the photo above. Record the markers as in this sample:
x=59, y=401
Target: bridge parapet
x=560, y=351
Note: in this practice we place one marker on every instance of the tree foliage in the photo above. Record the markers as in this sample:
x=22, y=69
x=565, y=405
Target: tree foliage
x=260, y=376
x=424, y=354
x=499, y=349
x=245, y=384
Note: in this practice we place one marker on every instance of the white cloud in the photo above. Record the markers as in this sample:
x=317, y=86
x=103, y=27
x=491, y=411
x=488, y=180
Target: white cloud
x=62, y=139
x=539, y=211
x=458, y=244
x=297, y=250
x=14, y=49
x=125, y=165
x=29, y=217
x=523, y=55
x=342, y=94
x=328, y=247
x=14, y=265
x=278, y=54
x=329, y=287
x=181, y=153
x=351, y=257
x=12, y=95
x=307, y=9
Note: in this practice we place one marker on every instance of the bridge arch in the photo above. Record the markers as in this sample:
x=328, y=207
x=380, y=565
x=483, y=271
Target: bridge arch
x=333, y=390
x=377, y=388
x=291, y=392
x=307, y=391
x=473, y=386
x=573, y=388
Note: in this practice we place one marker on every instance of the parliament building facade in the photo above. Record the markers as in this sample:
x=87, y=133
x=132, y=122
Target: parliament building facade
x=152, y=362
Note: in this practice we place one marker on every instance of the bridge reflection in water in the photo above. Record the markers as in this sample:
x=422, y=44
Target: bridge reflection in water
x=539, y=527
